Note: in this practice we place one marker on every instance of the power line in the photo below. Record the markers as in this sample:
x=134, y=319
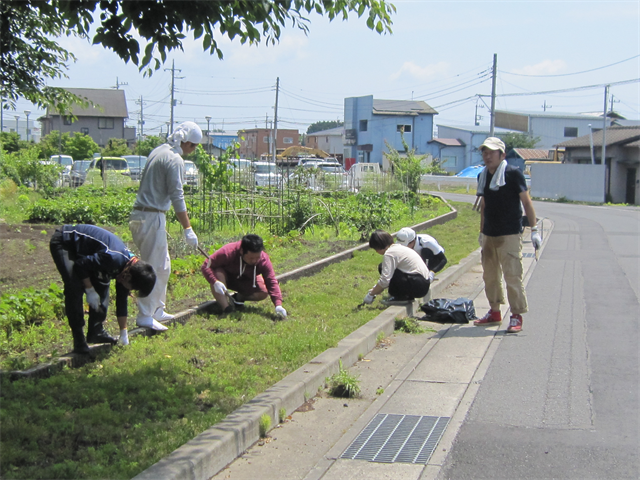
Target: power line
x=574, y=89
x=575, y=73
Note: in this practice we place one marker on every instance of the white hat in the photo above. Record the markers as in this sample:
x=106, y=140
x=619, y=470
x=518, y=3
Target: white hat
x=185, y=132
x=493, y=143
x=405, y=236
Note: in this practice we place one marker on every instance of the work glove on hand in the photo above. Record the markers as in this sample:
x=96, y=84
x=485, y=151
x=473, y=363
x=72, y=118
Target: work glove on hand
x=190, y=237
x=480, y=239
x=431, y=276
x=368, y=299
x=535, y=239
x=93, y=299
x=220, y=287
x=280, y=311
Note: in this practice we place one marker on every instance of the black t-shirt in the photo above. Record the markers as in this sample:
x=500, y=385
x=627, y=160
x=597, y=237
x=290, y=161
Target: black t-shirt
x=502, y=207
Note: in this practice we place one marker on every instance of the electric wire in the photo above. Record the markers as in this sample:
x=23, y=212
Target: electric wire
x=569, y=74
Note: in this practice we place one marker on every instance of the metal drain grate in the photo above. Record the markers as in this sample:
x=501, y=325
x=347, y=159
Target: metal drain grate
x=528, y=255
x=397, y=439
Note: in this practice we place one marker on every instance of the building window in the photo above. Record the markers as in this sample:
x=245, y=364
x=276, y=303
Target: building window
x=105, y=123
x=363, y=125
x=84, y=130
x=287, y=140
x=404, y=128
x=450, y=162
x=570, y=131
x=265, y=139
x=67, y=120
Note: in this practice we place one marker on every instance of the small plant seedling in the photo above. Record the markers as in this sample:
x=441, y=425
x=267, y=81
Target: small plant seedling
x=380, y=338
x=380, y=391
x=360, y=357
x=408, y=325
x=282, y=415
x=344, y=384
x=264, y=425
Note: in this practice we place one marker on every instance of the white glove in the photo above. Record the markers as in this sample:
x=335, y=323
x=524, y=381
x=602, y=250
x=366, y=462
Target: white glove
x=368, y=298
x=480, y=239
x=281, y=311
x=431, y=276
x=124, y=337
x=536, y=240
x=190, y=237
x=220, y=287
x=93, y=299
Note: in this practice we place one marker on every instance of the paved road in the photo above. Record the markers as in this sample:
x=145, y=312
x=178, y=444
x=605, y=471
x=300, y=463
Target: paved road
x=560, y=400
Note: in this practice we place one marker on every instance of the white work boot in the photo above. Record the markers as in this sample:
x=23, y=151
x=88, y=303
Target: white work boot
x=150, y=322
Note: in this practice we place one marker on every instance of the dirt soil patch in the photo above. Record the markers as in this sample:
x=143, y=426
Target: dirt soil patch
x=26, y=260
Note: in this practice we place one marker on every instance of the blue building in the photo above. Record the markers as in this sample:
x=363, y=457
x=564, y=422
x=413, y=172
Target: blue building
x=369, y=124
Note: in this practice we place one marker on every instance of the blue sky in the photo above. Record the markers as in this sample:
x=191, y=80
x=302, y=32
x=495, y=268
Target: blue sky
x=440, y=52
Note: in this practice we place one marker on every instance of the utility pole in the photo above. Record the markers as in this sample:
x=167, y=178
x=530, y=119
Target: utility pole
x=493, y=95
x=141, y=129
x=173, y=102
x=117, y=87
x=604, y=125
x=275, y=122
x=545, y=106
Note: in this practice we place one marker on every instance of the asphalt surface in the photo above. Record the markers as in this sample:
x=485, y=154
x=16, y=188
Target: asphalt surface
x=558, y=400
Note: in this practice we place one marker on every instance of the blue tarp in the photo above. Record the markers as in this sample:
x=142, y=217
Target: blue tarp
x=470, y=172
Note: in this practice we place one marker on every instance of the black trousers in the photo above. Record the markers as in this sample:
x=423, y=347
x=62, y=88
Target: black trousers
x=435, y=263
x=407, y=286
x=74, y=288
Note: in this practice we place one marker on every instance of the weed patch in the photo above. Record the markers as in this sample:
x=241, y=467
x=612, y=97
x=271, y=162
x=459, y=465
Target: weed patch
x=343, y=384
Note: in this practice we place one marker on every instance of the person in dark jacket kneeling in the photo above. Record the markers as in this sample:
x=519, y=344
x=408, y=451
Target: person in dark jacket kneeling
x=88, y=258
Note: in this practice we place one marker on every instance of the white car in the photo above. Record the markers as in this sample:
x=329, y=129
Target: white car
x=67, y=162
x=266, y=174
x=321, y=175
x=191, y=173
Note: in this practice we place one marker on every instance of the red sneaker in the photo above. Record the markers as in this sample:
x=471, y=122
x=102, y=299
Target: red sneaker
x=515, y=324
x=492, y=317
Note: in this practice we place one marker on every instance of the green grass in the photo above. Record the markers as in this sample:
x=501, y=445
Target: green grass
x=343, y=384
x=117, y=416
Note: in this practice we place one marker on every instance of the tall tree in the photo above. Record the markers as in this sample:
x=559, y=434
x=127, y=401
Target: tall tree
x=54, y=143
x=29, y=57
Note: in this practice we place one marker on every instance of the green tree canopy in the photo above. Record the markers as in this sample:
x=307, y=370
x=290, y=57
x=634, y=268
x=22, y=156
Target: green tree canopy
x=147, y=144
x=54, y=144
x=29, y=57
x=323, y=125
x=116, y=147
x=81, y=146
x=518, y=140
x=10, y=142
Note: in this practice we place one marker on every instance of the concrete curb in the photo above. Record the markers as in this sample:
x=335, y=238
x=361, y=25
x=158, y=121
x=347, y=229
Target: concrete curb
x=73, y=360
x=212, y=450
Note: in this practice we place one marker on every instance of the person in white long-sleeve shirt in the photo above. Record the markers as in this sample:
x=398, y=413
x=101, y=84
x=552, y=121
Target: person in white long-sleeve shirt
x=402, y=270
x=427, y=247
x=161, y=187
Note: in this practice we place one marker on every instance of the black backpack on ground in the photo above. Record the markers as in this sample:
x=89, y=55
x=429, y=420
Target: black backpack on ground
x=443, y=310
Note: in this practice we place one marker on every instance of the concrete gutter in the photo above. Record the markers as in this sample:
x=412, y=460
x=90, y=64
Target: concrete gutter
x=215, y=448
x=73, y=360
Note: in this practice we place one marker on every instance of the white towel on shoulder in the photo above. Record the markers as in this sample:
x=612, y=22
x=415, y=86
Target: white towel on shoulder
x=496, y=182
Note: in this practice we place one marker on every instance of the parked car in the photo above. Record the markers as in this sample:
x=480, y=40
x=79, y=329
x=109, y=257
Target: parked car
x=191, y=173
x=115, y=169
x=136, y=165
x=66, y=161
x=266, y=174
x=79, y=172
x=321, y=175
x=360, y=173
x=241, y=163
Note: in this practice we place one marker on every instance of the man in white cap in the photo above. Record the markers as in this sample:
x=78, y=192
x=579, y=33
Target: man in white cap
x=504, y=192
x=428, y=247
x=161, y=187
